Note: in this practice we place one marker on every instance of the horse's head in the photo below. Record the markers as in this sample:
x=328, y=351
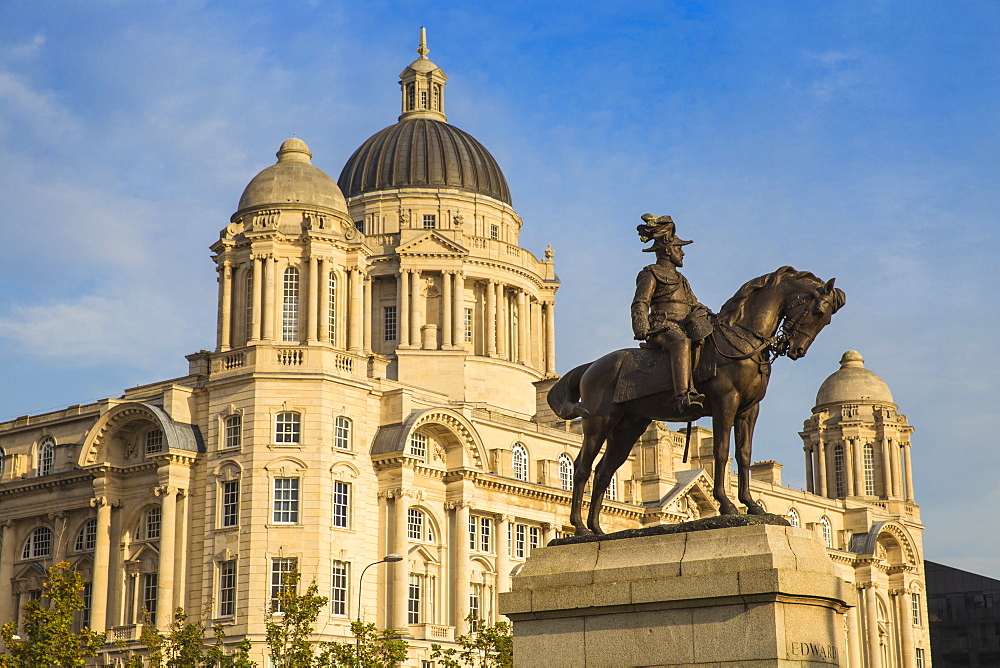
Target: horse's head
x=807, y=313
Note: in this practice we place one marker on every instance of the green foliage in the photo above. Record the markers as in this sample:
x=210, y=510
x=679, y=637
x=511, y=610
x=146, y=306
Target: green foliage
x=370, y=649
x=485, y=647
x=289, y=631
x=216, y=656
x=184, y=647
x=49, y=639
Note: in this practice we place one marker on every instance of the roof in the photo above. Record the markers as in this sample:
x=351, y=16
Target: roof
x=852, y=383
x=293, y=180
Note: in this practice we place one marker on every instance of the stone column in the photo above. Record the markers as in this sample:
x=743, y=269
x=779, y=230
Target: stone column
x=548, y=533
x=416, y=308
x=502, y=332
x=810, y=487
x=461, y=567
x=312, y=299
x=908, y=469
x=258, y=298
x=7, y=555
x=897, y=478
x=854, y=633
x=403, y=308
x=270, y=297
x=165, y=579
x=905, y=615
x=821, y=460
x=503, y=553
x=537, y=336
x=523, y=320
x=886, y=476
x=857, y=452
x=550, y=338
x=366, y=313
x=848, y=466
x=180, y=563
x=225, y=305
x=102, y=564
x=400, y=570
x=871, y=624
x=458, y=309
x=323, y=270
x=447, y=312
x=491, y=319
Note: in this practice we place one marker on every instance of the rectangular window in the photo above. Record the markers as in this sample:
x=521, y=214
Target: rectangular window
x=338, y=591
x=288, y=428
x=414, y=524
x=281, y=568
x=534, y=537
x=495, y=232
x=88, y=598
x=468, y=325
x=290, y=305
x=331, y=307
x=342, y=434
x=519, y=542
x=475, y=605
x=510, y=539
x=423, y=99
x=227, y=588
x=341, y=504
x=920, y=657
x=485, y=533
x=359, y=225
x=915, y=608
x=414, y=599
x=153, y=523
x=154, y=441
x=389, y=332
x=149, y=583
x=430, y=221
x=473, y=532
x=234, y=431
x=230, y=503
x=286, y=501
x=248, y=304
x=418, y=444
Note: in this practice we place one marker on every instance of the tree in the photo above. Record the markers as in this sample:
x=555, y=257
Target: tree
x=370, y=649
x=184, y=647
x=485, y=647
x=290, y=623
x=49, y=637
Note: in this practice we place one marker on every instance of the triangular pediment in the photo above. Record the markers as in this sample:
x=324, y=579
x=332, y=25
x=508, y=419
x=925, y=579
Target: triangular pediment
x=432, y=244
x=691, y=496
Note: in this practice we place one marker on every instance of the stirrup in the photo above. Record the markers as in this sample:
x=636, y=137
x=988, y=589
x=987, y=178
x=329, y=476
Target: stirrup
x=688, y=400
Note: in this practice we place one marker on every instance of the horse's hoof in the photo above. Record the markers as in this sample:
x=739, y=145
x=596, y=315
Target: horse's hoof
x=728, y=508
x=755, y=509
x=583, y=532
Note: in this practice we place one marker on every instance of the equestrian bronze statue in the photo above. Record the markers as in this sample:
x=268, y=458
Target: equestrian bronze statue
x=619, y=394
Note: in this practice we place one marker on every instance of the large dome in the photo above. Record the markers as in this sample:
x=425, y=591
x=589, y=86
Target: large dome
x=423, y=152
x=293, y=180
x=853, y=383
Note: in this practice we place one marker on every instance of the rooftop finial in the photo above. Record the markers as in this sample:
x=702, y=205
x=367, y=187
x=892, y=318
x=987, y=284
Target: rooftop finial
x=422, y=49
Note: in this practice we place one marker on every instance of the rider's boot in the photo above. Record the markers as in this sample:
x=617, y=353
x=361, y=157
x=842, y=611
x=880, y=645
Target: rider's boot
x=680, y=370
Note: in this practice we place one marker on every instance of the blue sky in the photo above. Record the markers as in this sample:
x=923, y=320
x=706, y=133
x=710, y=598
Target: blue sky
x=852, y=139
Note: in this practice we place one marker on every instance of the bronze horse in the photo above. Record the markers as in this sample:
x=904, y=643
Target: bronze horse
x=740, y=349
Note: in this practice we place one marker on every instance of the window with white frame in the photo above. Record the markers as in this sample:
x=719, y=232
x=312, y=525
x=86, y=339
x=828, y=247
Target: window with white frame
x=915, y=608
x=415, y=599
x=86, y=540
x=480, y=533
x=417, y=526
x=341, y=504
x=150, y=529
x=150, y=582
x=46, y=457
x=475, y=605
x=340, y=579
x=919, y=656
x=467, y=326
x=612, y=493
x=233, y=432
x=342, y=433
x=227, y=588
x=281, y=580
x=869, y=461
x=418, y=444
x=827, y=531
x=565, y=472
x=230, y=503
x=389, y=330
x=519, y=461
x=534, y=537
x=154, y=441
x=288, y=427
x=793, y=517
x=520, y=541
x=87, y=595
x=331, y=307
x=286, y=501
x=38, y=545
x=840, y=469
x=495, y=232
x=430, y=219
x=290, y=305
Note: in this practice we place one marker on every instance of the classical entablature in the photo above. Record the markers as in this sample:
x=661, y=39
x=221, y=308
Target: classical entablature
x=115, y=438
x=461, y=444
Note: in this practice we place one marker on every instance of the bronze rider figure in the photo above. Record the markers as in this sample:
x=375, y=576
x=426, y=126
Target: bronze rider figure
x=665, y=311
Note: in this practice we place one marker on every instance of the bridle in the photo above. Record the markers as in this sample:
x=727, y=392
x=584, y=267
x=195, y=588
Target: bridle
x=790, y=325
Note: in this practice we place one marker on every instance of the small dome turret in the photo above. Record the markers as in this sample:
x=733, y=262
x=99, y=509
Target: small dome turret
x=293, y=180
x=853, y=383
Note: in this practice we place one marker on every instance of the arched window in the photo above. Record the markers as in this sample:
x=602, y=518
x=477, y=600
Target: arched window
x=290, y=305
x=612, y=493
x=38, y=545
x=869, y=469
x=248, y=304
x=418, y=444
x=565, y=472
x=287, y=427
x=519, y=462
x=150, y=529
x=827, y=531
x=331, y=318
x=411, y=97
x=46, y=456
x=840, y=469
x=342, y=433
x=418, y=527
x=86, y=540
x=793, y=517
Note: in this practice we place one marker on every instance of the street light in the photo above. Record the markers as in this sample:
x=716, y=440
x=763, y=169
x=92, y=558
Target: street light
x=390, y=558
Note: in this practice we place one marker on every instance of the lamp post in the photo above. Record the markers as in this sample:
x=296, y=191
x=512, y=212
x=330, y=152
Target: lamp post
x=390, y=558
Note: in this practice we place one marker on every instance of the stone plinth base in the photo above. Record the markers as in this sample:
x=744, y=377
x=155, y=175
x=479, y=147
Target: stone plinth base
x=756, y=596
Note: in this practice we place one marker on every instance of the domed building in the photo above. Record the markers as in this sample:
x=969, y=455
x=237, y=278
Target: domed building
x=373, y=416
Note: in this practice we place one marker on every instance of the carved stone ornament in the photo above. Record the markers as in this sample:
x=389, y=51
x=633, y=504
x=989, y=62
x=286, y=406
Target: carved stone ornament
x=404, y=217
x=549, y=253
x=266, y=220
x=349, y=230
x=458, y=220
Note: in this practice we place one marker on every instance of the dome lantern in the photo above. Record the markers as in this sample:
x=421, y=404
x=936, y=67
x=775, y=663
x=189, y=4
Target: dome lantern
x=422, y=86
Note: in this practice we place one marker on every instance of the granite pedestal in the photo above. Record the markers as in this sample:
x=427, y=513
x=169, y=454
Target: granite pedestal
x=752, y=596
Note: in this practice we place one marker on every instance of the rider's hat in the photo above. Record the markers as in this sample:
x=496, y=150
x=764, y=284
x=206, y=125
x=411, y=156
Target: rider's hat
x=661, y=229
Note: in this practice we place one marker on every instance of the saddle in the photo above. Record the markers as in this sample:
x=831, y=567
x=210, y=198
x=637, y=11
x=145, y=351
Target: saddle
x=646, y=370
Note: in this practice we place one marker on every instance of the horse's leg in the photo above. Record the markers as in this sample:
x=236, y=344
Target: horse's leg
x=743, y=429
x=620, y=442
x=595, y=431
x=723, y=413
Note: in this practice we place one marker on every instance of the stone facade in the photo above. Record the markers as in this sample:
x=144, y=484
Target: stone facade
x=377, y=386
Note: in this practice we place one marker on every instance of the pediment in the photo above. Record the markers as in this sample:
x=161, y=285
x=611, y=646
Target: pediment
x=691, y=496
x=432, y=244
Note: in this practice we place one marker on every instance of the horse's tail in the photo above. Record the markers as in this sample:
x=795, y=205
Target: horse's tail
x=564, y=397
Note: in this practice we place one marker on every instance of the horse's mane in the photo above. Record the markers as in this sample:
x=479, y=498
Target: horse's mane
x=732, y=310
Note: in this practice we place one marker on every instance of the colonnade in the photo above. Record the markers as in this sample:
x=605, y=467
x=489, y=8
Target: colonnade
x=823, y=468
x=868, y=644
